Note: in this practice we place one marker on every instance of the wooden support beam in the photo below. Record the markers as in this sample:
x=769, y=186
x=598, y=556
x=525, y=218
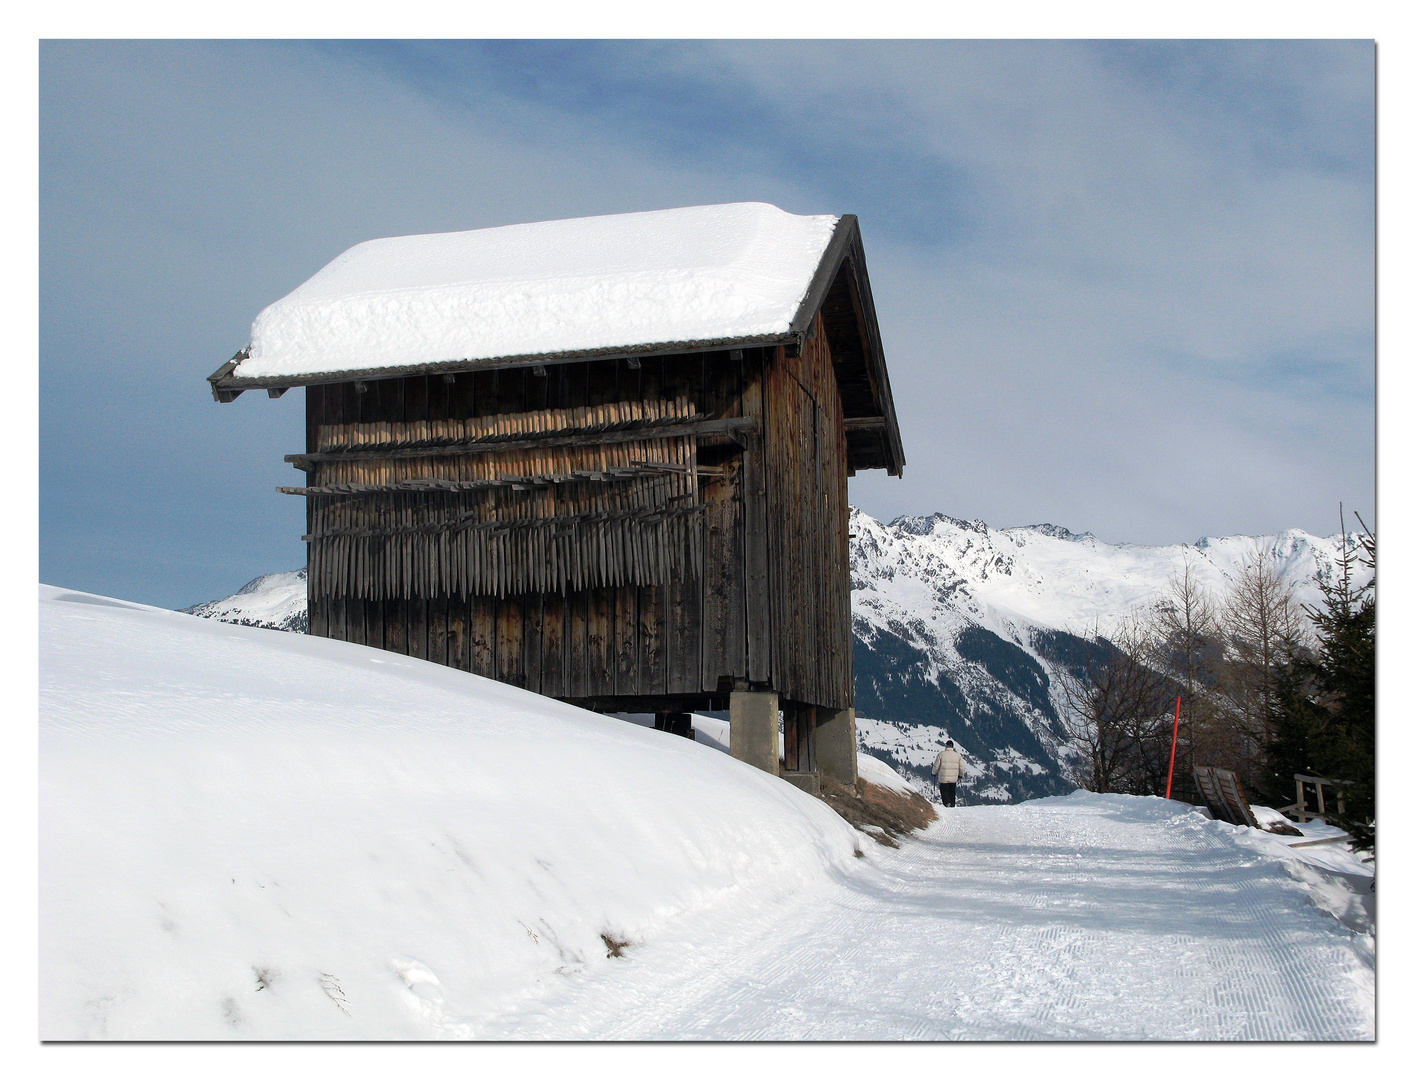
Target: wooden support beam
x=519, y=483
x=471, y=523
x=276, y=391
x=731, y=429
x=865, y=423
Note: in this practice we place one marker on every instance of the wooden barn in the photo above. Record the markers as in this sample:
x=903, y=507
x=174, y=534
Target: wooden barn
x=603, y=459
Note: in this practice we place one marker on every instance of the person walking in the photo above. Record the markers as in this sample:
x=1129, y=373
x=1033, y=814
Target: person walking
x=947, y=769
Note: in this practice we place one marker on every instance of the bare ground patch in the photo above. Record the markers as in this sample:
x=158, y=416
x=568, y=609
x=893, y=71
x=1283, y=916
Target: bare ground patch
x=881, y=812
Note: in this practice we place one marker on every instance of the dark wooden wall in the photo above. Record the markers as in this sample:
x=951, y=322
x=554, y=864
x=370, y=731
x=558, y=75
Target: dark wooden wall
x=807, y=507
x=764, y=605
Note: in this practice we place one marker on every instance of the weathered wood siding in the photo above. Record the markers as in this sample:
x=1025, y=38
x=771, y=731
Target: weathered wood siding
x=569, y=608
x=807, y=507
x=517, y=503
x=531, y=528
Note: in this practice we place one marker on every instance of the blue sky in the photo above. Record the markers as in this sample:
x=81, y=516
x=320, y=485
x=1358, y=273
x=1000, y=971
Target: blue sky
x=1124, y=287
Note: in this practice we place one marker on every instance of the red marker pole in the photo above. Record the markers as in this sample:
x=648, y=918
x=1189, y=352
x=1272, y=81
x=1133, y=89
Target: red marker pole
x=1173, y=750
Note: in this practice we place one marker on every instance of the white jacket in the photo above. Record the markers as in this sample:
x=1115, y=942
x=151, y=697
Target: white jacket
x=948, y=767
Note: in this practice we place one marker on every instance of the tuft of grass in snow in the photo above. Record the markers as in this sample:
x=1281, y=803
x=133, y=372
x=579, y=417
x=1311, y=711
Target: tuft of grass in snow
x=884, y=813
x=614, y=943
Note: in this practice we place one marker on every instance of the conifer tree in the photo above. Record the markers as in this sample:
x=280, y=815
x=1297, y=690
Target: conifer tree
x=1323, y=707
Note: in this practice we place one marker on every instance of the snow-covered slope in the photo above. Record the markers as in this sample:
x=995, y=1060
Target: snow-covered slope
x=276, y=601
x=958, y=628
x=246, y=834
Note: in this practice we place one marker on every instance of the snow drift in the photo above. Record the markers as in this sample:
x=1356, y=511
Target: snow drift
x=249, y=834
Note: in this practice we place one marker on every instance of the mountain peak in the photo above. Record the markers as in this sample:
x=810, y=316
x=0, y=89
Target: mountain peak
x=1059, y=532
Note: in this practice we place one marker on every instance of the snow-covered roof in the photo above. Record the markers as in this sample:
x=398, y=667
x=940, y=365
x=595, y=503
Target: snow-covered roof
x=690, y=277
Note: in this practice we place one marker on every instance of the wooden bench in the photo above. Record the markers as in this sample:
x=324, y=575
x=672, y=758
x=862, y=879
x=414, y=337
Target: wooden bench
x=1222, y=791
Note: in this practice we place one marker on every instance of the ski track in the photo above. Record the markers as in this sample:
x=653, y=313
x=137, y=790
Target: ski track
x=1055, y=919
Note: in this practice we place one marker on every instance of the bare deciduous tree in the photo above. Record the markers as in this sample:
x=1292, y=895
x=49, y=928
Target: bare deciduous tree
x=1187, y=627
x=1264, y=627
x=1115, y=701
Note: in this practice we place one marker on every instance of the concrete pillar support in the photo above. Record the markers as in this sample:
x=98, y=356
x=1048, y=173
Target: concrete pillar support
x=836, y=747
x=755, y=738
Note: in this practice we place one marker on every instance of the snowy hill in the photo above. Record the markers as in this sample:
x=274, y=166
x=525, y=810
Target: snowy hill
x=275, y=601
x=958, y=628
x=263, y=836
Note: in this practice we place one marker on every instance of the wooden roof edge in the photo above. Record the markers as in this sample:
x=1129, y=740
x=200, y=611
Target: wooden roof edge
x=875, y=349
x=226, y=385
x=836, y=251
x=846, y=245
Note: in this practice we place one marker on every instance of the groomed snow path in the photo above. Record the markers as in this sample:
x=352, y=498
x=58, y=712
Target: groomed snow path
x=1085, y=918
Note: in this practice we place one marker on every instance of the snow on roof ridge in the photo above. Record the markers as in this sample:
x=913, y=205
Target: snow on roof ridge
x=698, y=273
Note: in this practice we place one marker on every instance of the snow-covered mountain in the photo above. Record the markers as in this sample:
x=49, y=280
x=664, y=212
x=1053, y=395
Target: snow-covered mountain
x=275, y=601
x=958, y=628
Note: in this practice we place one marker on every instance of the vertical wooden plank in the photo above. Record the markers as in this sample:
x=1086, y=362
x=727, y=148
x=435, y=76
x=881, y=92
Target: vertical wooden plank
x=756, y=536
x=461, y=402
x=552, y=647
x=487, y=392
x=509, y=631
x=441, y=648
x=457, y=653
x=416, y=627
x=373, y=623
x=652, y=666
x=318, y=616
x=415, y=397
x=779, y=477
x=483, y=636
x=602, y=378
x=576, y=637
x=724, y=633
x=317, y=609
x=650, y=378
x=841, y=687
x=532, y=642
x=626, y=641
x=685, y=610
x=313, y=411
x=437, y=629
x=600, y=622
x=537, y=389
x=439, y=394
x=383, y=403
x=338, y=624
x=720, y=579
x=790, y=737
x=353, y=621
x=395, y=625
